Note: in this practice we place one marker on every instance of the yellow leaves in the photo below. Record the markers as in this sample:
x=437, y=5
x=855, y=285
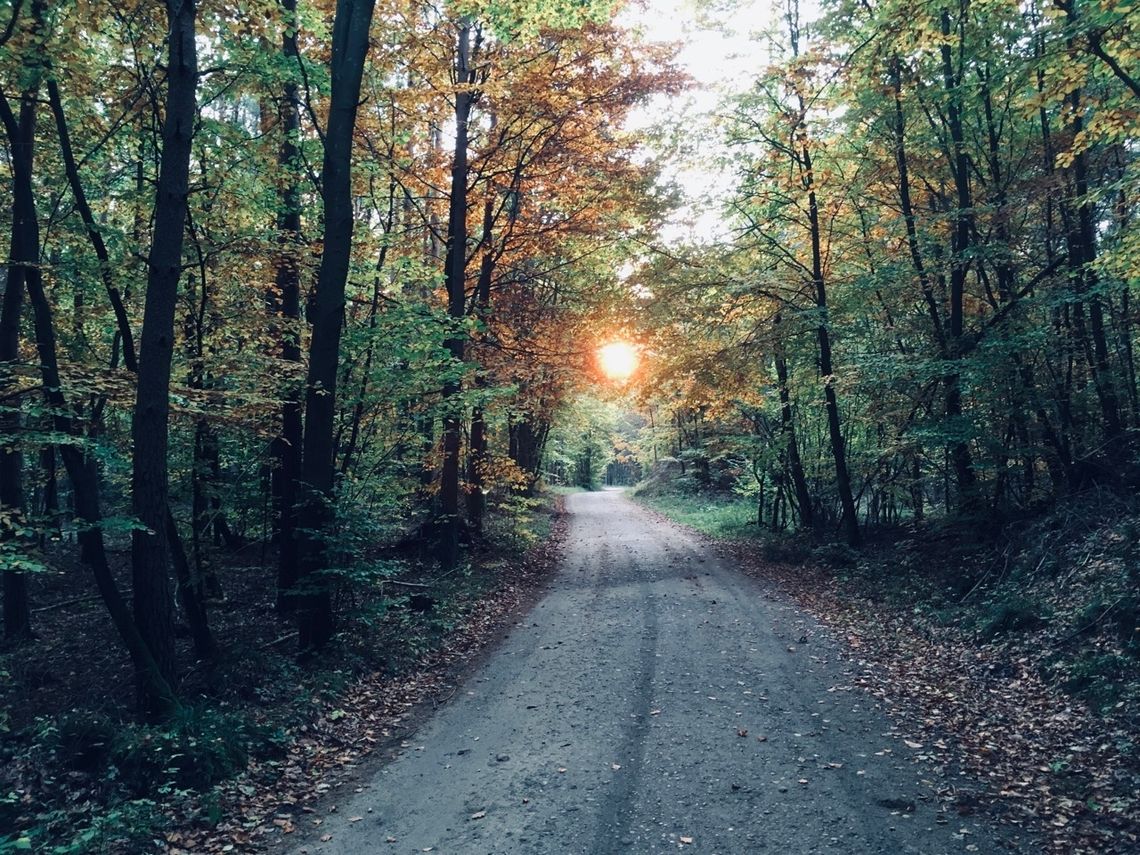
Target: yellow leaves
x=1119, y=124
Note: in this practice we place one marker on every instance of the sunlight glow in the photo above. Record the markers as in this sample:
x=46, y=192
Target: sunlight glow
x=618, y=360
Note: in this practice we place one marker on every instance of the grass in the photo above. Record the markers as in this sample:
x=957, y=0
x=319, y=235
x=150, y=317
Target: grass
x=716, y=515
x=562, y=489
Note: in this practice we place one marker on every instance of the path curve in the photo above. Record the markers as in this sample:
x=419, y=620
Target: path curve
x=653, y=700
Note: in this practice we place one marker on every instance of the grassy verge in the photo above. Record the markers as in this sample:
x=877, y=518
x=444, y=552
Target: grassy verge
x=563, y=490
x=720, y=516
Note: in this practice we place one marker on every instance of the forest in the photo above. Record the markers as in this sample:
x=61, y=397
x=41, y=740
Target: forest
x=303, y=344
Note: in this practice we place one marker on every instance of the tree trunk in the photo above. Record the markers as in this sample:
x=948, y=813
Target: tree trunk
x=95, y=237
x=373, y=319
x=479, y=456
x=191, y=594
x=819, y=284
x=960, y=264
x=81, y=471
x=150, y=425
x=788, y=428
x=349, y=49
x=286, y=446
x=527, y=443
x=455, y=273
x=826, y=370
x=23, y=259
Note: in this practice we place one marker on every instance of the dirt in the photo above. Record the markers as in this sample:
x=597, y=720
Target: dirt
x=655, y=699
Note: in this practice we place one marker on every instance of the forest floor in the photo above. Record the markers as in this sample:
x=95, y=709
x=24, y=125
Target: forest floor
x=1009, y=652
x=656, y=698
x=263, y=735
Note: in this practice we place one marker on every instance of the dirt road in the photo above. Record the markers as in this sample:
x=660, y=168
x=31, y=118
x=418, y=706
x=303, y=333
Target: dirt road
x=654, y=700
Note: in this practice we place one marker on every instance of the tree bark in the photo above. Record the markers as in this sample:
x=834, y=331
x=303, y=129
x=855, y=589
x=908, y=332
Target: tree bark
x=150, y=425
x=94, y=236
x=527, y=444
x=349, y=48
x=23, y=259
x=455, y=274
x=81, y=471
x=788, y=428
x=286, y=301
x=479, y=456
x=960, y=262
x=819, y=285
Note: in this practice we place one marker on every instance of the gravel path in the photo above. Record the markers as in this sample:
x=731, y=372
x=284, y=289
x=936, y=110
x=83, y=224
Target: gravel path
x=653, y=700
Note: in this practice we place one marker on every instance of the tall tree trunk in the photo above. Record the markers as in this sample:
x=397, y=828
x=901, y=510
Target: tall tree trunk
x=478, y=457
x=81, y=470
x=23, y=261
x=907, y=206
x=960, y=260
x=804, y=163
x=150, y=426
x=527, y=444
x=191, y=594
x=455, y=275
x=349, y=49
x=49, y=504
x=94, y=236
x=1080, y=236
x=357, y=419
x=286, y=301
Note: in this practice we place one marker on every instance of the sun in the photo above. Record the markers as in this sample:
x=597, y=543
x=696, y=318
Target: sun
x=618, y=360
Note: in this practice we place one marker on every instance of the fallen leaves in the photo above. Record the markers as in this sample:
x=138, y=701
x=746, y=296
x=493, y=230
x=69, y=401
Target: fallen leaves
x=323, y=750
x=1038, y=757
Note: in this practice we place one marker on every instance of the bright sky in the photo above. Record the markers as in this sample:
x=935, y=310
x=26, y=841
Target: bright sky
x=722, y=52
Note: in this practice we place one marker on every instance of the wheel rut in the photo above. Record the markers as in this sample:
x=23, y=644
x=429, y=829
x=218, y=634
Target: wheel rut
x=653, y=699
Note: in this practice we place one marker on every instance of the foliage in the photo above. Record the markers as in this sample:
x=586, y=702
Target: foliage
x=929, y=168
x=714, y=514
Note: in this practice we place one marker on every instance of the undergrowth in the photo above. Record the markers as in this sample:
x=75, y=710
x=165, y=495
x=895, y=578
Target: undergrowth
x=92, y=780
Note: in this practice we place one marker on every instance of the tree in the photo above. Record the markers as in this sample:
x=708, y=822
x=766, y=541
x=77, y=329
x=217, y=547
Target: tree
x=346, y=66
x=19, y=127
x=151, y=418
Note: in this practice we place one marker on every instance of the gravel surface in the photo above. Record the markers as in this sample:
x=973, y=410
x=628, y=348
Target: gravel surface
x=654, y=700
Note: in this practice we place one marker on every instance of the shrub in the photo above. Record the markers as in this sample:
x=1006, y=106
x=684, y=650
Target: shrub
x=82, y=740
x=194, y=751
x=786, y=550
x=836, y=555
x=1015, y=614
x=1100, y=679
